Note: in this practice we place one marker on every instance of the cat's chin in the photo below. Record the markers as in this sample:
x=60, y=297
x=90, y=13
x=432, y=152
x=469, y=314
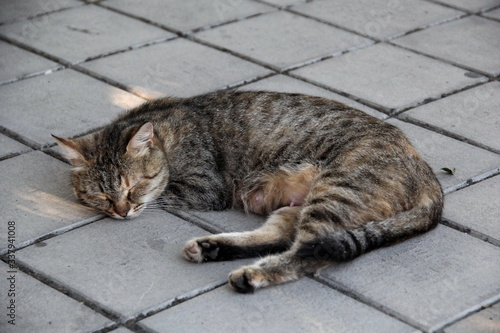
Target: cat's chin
x=129, y=216
x=118, y=217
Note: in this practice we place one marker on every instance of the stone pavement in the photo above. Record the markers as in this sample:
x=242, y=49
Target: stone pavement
x=68, y=67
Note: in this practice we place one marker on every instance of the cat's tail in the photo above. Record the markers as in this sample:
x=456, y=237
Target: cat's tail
x=347, y=244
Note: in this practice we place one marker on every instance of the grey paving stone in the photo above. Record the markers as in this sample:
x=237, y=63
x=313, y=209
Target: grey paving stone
x=379, y=20
x=10, y=147
x=493, y=14
x=431, y=278
x=388, y=76
x=443, y=152
x=285, y=2
x=476, y=5
x=190, y=14
x=39, y=308
x=127, y=266
x=476, y=207
x=285, y=308
x=231, y=220
x=15, y=9
x=176, y=68
x=282, y=83
x=16, y=62
x=485, y=321
x=65, y=103
x=459, y=42
x=100, y=30
x=282, y=39
x=37, y=196
x=472, y=114
x=121, y=330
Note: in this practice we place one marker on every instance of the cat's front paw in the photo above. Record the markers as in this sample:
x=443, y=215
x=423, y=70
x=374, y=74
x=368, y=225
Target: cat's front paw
x=200, y=250
x=247, y=279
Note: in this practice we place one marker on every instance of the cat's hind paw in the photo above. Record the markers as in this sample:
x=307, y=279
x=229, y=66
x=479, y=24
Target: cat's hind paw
x=200, y=250
x=247, y=279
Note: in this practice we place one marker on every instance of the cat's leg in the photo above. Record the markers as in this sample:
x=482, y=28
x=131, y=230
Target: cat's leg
x=335, y=225
x=274, y=236
x=274, y=269
x=321, y=215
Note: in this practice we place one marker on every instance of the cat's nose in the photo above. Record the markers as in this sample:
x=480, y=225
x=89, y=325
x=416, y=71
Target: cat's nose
x=122, y=209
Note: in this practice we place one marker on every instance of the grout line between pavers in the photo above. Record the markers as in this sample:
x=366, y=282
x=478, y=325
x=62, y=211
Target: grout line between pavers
x=200, y=222
x=464, y=314
x=471, y=232
x=397, y=112
x=68, y=291
x=197, y=221
x=53, y=233
x=427, y=26
x=290, y=10
x=64, y=64
x=109, y=81
x=389, y=39
x=191, y=37
x=321, y=58
x=173, y=302
x=482, y=10
x=472, y=181
x=408, y=119
x=12, y=135
x=377, y=39
x=285, y=71
x=34, y=74
x=18, y=137
x=243, y=83
x=355, y=98
x=444, y=60
x=34, y=50
x=92, y=2
x=140, y=328
x=116, y=318
x=15, y=154
x=138, y=18
x=274, y=68
x=125, y=49
x=106, y=328
x=263, y=2
x=483, y=15
x=329, y=282
x=317, y=59
x=183, y=33
x=28, y=18
x=246, y=82
x=238, y=19
x=197, y=40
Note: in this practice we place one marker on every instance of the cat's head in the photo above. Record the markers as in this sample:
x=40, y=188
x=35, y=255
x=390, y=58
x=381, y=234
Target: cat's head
x=117, y=172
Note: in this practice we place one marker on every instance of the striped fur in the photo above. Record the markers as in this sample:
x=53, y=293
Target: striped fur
x=334, y=181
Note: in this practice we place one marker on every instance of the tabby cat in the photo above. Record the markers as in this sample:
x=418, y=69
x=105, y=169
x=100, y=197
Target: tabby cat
x=334, y=181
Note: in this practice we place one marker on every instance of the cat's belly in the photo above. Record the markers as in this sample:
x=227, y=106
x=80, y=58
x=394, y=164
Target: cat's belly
x=289, y=186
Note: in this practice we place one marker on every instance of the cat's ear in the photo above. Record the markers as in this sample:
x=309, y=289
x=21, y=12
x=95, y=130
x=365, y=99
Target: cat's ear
x=71, y=151
x=141, y=141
